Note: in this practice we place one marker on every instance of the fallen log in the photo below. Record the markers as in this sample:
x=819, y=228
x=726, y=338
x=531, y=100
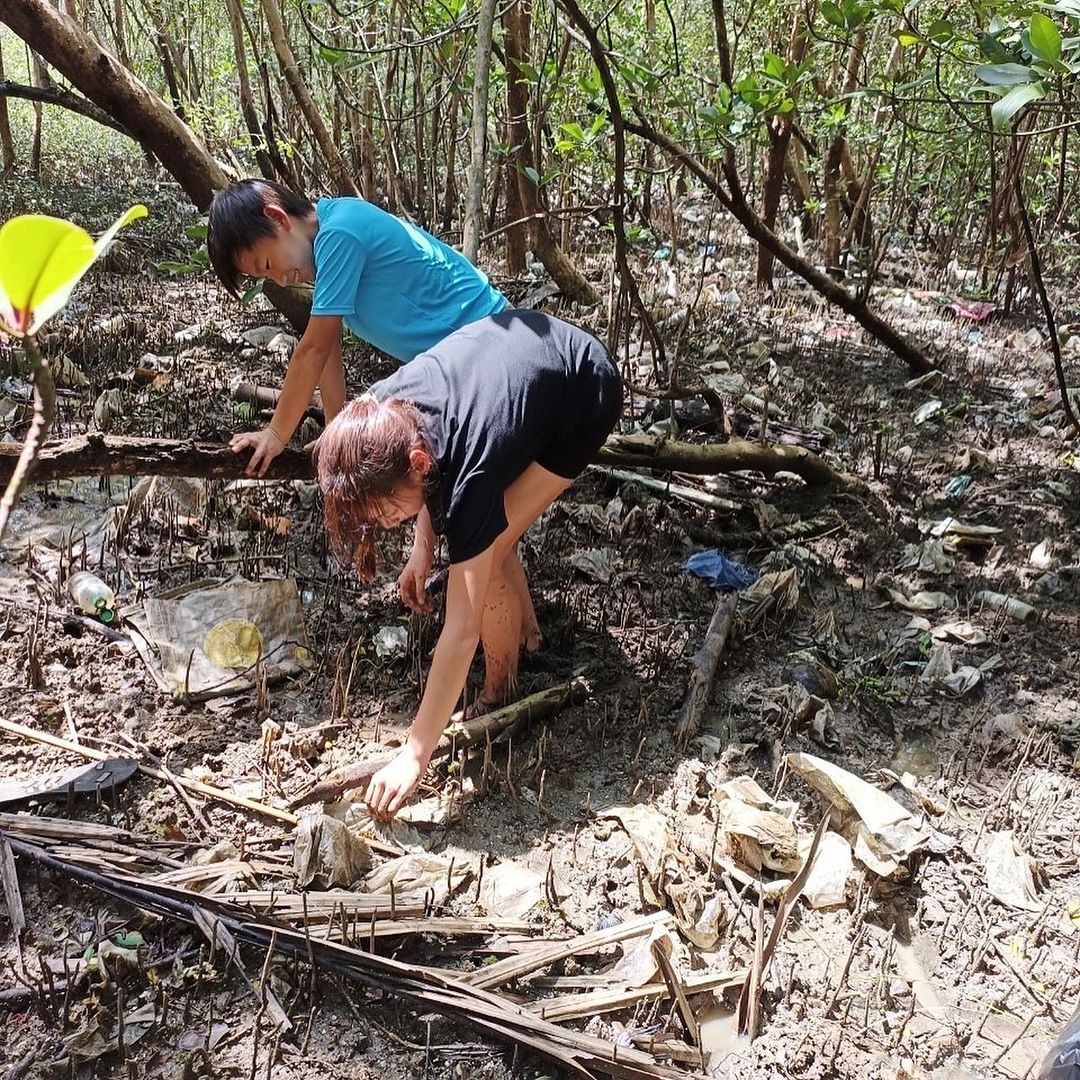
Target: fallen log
x=460, y=735
x=703, y=667
x=735, y=455
x=95, y=454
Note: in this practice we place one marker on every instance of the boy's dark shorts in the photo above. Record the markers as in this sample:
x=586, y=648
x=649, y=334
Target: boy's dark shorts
x=599, y=395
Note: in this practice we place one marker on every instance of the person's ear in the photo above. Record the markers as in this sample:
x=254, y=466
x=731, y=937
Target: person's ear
x=277, y=216
x=420, y=462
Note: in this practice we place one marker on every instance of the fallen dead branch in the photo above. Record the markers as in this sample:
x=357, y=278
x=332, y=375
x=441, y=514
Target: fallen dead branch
x=461, y=735
x=735, y=455
x=196, y=786
x=703, y=666
x=426, y=988
x=95, y=454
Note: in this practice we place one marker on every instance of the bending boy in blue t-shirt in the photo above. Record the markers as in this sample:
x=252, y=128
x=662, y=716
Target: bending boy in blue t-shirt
x=391, y=283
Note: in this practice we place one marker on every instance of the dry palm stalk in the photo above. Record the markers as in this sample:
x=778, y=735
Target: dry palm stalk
x=579, y=1006
x=581, y=1055
x=703, y=667
x=517, y=967
x=460, y=735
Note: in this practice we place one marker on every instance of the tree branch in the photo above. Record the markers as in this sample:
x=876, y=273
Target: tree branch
x=57, y=95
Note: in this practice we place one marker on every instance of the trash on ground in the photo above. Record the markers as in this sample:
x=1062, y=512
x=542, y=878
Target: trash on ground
x=420, y=874
x=827, y=884
x=96, y=779
x=1063, y=1061
x=957, y=487
x=929, y=557
x=976, y=311
x=882, y=833
x=927, y=411
x=1015, y=609
x=719, y=570
x=922, y=601
x=1010, y=873
x=598, y=564
x=510, y=889
x=391, y=642
x=92, y=595
x=757, y=837
x=327, y=853
x=210, y=639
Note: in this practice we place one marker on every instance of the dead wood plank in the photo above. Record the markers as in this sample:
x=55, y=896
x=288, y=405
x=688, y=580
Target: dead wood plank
x=95, y=454
x=516, y=967
x=660, y=950
x=594, y=1002
x=703, y=667
x=12, y=893
x=436, y=925
x=460, y=735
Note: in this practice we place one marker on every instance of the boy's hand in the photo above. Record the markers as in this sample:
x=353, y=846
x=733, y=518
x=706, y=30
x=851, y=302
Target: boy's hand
x=412, y=581
x=394, y=783
x=265, y=446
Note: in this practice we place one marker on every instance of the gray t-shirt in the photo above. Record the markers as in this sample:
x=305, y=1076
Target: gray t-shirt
x=494, y=397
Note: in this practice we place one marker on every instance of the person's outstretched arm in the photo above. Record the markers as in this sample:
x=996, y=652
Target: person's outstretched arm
x=412, y=582
x=465, y=600
x=306, y=366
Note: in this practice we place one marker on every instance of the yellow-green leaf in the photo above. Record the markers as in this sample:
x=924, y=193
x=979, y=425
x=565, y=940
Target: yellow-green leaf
x=41, y=260
x=1073, y=908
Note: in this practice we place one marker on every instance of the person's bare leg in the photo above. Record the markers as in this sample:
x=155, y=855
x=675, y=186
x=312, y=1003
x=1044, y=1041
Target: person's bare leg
x=500, y=636
x=530, y=628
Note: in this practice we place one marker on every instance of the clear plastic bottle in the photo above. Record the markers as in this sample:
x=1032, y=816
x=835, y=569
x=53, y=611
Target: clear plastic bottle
x=92, y=595
x=1063, y=1062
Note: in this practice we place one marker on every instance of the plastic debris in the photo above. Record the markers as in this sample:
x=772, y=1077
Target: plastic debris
x=721, y=572
x=421, y=875
x=1063, y=1061
x=882, y=833
x=598, y=564
x=1015, y=609
x=391, y=642
x=1041, y=556
x=976, y=311
x=927, y=411
x=510, y=889
x=328, y=853
x=827, y=884
x=1010, y=873
x=929, y=557
x=921, y=601
x=957, y=487
x=207, y=639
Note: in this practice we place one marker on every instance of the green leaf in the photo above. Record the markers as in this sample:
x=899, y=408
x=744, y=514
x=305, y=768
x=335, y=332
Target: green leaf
x=41, y=261
x=252, y=291
x=532, y=174
x=832, y=14
x=131, y=940
x=1045, y=38
x=196, y=232
x=941, y=30
x=1001, y=112
x=1004, y=74
x=908, y=39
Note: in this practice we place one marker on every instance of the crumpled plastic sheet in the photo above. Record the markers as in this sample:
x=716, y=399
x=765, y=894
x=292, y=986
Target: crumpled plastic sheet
x=720, y=571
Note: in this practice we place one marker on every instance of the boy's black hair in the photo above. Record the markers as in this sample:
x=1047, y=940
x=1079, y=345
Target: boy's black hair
x=237, y=223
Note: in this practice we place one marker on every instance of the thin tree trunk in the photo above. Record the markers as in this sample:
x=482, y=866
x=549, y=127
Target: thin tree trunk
x=79, y=58
x=247, y=101
x=7, y=145
x=474, y=207
x=335, y=163
x=779, y=131
x=450, y=188
x=517, y=22
x=39, y=79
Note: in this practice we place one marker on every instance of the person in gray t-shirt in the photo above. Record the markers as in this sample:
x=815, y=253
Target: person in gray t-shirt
x=484, y=431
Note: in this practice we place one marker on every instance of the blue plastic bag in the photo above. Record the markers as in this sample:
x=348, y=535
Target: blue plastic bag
x=723, y=573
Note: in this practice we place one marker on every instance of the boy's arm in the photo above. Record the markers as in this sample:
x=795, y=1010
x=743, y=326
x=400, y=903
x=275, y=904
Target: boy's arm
x=332, y=383
x=306, y=366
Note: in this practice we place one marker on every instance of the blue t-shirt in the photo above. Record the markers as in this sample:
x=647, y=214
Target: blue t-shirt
x=395, y=285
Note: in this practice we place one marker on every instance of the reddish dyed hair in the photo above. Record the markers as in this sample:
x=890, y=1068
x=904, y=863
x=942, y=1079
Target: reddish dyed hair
x=361, y=458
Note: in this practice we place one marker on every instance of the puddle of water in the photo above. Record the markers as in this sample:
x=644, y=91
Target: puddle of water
x=718, y=1037
x=916, y=754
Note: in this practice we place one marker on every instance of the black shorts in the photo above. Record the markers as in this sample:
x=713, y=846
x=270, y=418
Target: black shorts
x=598, y=398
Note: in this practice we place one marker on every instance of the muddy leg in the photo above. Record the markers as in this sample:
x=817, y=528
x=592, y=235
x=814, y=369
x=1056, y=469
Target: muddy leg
x=500, y=636
x=530, y=628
